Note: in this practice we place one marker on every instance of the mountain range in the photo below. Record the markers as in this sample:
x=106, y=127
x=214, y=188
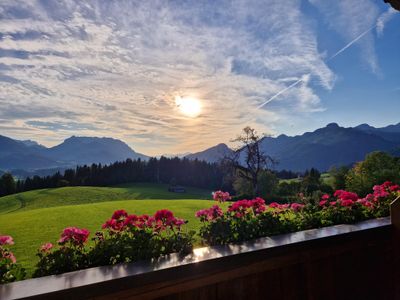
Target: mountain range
x=30, y=156
x=323, y=148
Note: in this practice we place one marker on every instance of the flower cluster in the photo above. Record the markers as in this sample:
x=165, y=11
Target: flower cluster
x=381, y=194
x=4, y=253
x=246, y=219
x=209, y=214
x=221, y=196
x=74, y=236
x=46, y=247
x=121, y=221
x=9, y=270
x=126, y=237
x=6, y=240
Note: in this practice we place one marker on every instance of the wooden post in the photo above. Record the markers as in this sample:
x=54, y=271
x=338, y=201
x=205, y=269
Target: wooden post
x=395, y=259
x=395, y=213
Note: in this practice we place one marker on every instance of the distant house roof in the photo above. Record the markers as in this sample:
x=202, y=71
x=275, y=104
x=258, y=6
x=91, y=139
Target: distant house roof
x=177, y=189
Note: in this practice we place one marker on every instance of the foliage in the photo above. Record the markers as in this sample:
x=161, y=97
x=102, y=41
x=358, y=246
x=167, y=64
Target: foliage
x=339, y=177
x=267, y=184
x=248, y=160
x=7, y=184
x=377, y=168
x=311, y=181
x=125, y=238
x=9, y=269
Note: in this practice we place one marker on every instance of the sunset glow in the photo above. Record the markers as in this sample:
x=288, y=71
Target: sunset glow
x=189, y=106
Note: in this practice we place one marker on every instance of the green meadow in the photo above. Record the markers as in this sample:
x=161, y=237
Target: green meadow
x=35, y=217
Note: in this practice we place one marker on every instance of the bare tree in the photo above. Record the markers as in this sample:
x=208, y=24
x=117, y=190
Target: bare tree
x=248, y=160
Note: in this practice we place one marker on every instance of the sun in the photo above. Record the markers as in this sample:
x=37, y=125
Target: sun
x=189, y=106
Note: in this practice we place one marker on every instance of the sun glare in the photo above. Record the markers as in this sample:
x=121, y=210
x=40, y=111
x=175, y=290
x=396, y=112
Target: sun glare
x=188, y=106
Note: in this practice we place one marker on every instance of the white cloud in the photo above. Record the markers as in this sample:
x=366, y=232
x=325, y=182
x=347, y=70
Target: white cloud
x=350, y=18
x=119, y=65
x=383, y=19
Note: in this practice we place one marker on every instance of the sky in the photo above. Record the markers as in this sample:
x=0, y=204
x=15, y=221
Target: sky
x=116, y=69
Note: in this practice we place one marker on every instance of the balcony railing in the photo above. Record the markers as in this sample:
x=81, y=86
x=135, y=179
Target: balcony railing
x=358, y=261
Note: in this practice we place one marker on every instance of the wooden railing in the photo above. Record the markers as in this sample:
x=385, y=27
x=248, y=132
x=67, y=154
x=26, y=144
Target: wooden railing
x=357, y=261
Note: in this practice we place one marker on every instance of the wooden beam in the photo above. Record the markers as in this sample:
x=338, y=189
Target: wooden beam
x=395, y=213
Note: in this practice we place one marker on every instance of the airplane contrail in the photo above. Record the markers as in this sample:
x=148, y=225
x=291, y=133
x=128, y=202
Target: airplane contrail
x=281, y=92
x=352, y=42
x=329, y=59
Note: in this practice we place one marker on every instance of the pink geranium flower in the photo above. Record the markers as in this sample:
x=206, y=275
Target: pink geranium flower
x=325, y=197
x=209, y=214
x=74, y=235
x=46, y=247
x=345, y=195
x=6, y=240
x=221, y=196
x=5, y=254
x=296, y=207
x=118, y=214
x=346, y=203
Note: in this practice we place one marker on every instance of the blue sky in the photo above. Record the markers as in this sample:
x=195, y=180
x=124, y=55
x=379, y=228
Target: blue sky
x=115, y=68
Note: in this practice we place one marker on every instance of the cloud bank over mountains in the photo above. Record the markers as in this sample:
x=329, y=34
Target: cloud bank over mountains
x=114, y=68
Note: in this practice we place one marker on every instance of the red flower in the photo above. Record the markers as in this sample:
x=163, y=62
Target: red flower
x=296, y=207
x=274, y=205
x=365, y=202
x=113, y=224
x=46, y=247
x=258, y=205
x=6, y=240
x=345, y=195
x=322, y=202
x=209, y=214
x=164, y=215
x=325, y=197
x=74, y=235
x=346, y=203
x=8, y=255
x=221, y=196
x=279, y=207
x=118, y=214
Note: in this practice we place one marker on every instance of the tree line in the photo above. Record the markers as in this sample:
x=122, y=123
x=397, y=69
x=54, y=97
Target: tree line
x=180, y=171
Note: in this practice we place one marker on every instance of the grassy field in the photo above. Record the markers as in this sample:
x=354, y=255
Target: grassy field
x=84, y=195
x=325, y=177
x=35, y=217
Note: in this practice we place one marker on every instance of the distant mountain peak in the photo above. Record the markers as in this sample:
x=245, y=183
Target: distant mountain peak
x=332, y=125
x=213, y=154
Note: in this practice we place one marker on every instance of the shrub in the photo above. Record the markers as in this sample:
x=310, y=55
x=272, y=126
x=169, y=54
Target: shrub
x=9, y=270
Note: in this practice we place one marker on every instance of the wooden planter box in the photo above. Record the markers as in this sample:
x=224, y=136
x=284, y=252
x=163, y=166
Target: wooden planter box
x=359, y=261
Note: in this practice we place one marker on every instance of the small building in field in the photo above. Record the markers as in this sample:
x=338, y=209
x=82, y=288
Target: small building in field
x=177, y=189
